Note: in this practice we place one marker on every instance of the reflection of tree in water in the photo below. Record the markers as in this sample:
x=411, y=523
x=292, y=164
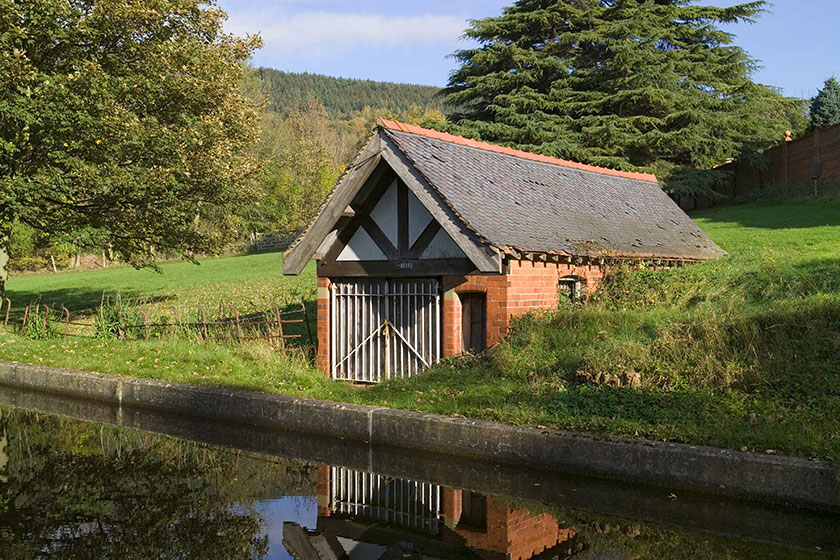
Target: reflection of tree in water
x=84, y=491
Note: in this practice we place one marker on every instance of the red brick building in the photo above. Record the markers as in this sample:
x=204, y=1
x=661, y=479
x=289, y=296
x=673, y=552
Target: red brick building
x=365, y=515
x=431, y=243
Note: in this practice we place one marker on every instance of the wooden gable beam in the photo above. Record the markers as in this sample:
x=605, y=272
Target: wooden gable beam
x=354, y=179
x=483, y=257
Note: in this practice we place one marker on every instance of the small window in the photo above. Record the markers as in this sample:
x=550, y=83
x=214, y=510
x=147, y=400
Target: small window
x=571, y=289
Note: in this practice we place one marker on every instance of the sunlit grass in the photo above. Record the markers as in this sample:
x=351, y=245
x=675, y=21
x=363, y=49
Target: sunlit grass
x=743, y=352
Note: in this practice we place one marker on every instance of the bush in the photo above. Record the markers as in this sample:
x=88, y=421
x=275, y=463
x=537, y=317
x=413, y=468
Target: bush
x=37, y=326
x=113, y=317
x=28, y=264
x=791, y=190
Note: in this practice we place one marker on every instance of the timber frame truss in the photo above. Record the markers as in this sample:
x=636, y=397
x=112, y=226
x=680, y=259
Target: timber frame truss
x=348, y=210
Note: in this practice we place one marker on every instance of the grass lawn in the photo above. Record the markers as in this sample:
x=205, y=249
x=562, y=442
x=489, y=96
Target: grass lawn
x=743, y=352
x=249, y=281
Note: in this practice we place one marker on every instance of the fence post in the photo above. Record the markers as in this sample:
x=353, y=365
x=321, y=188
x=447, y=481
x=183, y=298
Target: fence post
x=281, y=342
x=124, y=330
x=25, y=317
x=66, y=320
x=46, y=316
x=238, y=325
x=306, y=320
x=145, y=322
x=203, y=321
x=177, y=322
x=8, y=308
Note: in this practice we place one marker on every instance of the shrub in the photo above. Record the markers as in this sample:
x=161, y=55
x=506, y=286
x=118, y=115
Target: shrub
x=28, y=264
x=37, y=325
x=113, y=317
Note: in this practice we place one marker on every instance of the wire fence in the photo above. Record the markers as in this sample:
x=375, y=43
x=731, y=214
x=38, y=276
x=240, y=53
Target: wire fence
x=280, y=325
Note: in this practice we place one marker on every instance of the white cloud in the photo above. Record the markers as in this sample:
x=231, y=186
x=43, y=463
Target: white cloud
x=318, y=34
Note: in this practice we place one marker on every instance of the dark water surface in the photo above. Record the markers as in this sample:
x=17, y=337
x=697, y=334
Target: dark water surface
x=80, y=479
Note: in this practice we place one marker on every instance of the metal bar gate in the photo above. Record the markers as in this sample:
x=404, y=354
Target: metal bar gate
x=383, y=328
x=392, y=500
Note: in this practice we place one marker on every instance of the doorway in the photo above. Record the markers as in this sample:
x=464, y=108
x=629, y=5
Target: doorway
x=473, y=322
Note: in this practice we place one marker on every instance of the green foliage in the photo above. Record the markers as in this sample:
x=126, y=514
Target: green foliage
x=76, y=490
x=33, y=250
x=136, y=126
x=22, y=242
x=303, y=154
x=623, y=84
x=825, y=106
x=38, y=326
x=341, y=97
x=113, y=316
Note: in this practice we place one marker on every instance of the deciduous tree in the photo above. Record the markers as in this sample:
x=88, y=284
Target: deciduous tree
x=125, y=116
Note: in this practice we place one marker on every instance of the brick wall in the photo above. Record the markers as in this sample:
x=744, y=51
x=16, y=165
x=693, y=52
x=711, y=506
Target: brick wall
x=322, y=491
x=789, y=162
x=495, y=287
x=323, y=311
x=517, y=534
x=527, y=286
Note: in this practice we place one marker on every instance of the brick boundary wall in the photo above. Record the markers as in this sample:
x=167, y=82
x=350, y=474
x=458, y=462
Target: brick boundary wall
x=788, y=162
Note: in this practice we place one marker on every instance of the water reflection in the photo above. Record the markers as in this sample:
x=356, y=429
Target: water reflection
x=73, y=489
x=366, y=516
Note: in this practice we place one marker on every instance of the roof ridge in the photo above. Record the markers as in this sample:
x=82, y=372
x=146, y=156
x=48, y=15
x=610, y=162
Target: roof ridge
x=460, y=140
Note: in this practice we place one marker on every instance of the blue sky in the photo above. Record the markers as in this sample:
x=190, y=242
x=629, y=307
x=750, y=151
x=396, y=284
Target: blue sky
x=408, y=41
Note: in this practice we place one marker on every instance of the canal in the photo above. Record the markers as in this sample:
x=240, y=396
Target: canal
x=80, y=479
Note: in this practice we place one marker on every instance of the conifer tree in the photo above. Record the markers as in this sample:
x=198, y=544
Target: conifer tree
x=628, y=84
x=825, y=107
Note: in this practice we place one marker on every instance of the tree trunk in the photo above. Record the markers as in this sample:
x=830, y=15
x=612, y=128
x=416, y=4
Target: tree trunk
x=4, y=260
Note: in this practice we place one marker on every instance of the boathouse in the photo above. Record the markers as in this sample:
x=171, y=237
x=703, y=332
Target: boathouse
x=430, y=243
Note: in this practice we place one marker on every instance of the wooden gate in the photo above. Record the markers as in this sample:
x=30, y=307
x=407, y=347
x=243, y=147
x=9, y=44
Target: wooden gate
x=384, y=328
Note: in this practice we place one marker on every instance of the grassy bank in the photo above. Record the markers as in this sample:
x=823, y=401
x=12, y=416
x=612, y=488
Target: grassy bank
x=249, y=281
x=743, y=352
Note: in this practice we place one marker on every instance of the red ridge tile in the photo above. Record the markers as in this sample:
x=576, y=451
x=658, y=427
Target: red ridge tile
x=446, y=137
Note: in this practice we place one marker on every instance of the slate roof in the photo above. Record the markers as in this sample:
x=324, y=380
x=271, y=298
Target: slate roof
x=527, y=202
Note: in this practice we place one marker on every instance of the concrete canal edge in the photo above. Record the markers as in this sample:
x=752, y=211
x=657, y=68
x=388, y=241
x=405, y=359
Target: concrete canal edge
x=767, y=478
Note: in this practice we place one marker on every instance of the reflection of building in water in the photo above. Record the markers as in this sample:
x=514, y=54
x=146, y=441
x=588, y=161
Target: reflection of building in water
x=488, y=524
x=363, y=516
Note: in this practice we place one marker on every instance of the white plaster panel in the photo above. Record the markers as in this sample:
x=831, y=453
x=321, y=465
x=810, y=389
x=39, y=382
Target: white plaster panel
x=361, y=248
x=443, y=247
x=418, y=218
